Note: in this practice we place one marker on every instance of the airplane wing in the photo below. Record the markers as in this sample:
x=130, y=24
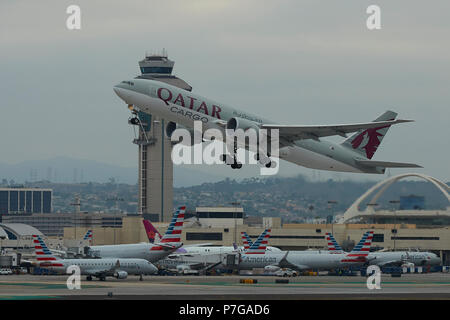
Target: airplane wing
x=103, y=271
x=96, y=272
x=58, y=251
x=199, y=245
x=390, y=263
x=284, y=263
x=179, y=255
x=298, y=132
x=386, y=164
x=167, y=246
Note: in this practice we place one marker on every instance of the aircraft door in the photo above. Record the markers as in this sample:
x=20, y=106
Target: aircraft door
x=232, y=260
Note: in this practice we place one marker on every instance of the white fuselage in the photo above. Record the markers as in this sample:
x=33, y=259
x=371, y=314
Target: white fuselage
x=202, y=255
x=324, y=157
x=219, y=249
x=92, y=266
x=301, y=260
x=147, y=251
x=399, y=257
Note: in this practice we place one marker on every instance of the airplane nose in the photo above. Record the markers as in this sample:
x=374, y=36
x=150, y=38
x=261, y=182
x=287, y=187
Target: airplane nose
x=122, y=93
x=152, y=268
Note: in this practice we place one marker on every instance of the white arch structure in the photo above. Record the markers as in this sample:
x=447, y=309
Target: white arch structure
x=353, y=211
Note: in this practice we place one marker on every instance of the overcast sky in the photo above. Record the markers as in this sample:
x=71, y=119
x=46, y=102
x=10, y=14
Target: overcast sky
x=297, y=62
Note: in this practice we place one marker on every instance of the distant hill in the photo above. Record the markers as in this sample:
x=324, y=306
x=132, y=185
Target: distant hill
x=71, y=170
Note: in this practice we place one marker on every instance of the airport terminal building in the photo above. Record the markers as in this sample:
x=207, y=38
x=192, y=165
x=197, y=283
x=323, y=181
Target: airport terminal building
x=25, y=200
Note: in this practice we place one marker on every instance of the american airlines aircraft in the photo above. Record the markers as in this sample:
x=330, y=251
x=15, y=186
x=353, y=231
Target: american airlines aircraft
x=257, y=257
x=391, y=258
x=300, y=144
x=152, y=252
x=204, y=248
x=195, y=258
x=100, y=268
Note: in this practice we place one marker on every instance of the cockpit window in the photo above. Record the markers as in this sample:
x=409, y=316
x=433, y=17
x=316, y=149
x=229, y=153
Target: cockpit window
x=128, y=83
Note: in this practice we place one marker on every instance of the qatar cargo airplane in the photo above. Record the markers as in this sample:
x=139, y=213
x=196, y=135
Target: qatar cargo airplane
x=300, y=144
x=390, y=258
x=100, y=268
x=152, y=252
x=257, y=257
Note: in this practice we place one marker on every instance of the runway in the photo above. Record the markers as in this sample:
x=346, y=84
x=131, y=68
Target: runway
x=409, y=286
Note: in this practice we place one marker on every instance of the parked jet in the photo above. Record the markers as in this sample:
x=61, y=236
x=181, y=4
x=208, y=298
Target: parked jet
x=257, y=257
x=201, y=258
x=100, y=268
x=299, y=144
x=67, y=254
x=203, y=248
x=152, y=252
x=151, y=231
x=392, y=258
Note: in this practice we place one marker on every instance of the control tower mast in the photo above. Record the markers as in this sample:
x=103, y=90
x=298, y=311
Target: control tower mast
x=155, y=149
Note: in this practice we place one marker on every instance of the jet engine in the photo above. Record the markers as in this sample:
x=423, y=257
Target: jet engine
x=172, y=126
x=121, y=274
x=261, y=146
x=271, y=268
x=240, y=123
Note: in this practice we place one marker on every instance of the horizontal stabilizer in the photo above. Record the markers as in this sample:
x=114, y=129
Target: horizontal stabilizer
x=297, y=132
x=386, y=164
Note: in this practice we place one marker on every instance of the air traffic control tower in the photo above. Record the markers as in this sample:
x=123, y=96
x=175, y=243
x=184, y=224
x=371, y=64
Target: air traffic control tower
x=155, y=163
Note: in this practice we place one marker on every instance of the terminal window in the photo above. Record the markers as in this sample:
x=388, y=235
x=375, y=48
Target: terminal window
x=292, y=237
x=204, y=236
x=220, y=215
x=37, y=201
x=415, y=238
x=14, y=201
x=4, y=202
x=28, y=202
x=378, y=237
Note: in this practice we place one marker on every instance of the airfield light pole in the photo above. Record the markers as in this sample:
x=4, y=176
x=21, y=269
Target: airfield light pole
x=331, y=204
x=394, y=202
x=235, y=205
x=116, y=199
x=77, y=205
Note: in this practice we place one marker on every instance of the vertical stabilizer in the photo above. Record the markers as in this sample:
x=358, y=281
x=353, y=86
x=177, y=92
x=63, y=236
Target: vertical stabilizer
x=366, y=142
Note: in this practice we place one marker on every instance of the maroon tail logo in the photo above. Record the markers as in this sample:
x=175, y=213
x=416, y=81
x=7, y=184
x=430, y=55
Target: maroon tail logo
x=372, y=141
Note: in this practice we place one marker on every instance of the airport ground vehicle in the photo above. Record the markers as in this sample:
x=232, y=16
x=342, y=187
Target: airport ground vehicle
x=5, y=271
x=286, y=272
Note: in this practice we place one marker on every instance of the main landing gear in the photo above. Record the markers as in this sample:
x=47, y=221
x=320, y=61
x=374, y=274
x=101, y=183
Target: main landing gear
x=232, y=162
x=265, y=160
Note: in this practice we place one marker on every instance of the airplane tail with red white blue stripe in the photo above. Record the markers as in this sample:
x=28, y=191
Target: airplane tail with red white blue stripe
x=246, y=240
x=363, y=246
x=260, y=245
x=44, y=256
x=173, y=233
x=333, y=246
x=88, y=235
x=360, y=252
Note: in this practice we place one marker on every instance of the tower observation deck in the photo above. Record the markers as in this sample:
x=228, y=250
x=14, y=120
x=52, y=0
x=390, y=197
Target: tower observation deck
x=155, y=149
